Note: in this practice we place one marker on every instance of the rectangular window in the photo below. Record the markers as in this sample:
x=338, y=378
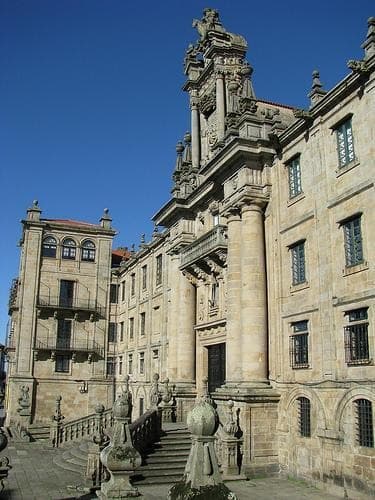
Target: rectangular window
x=298, y=263
x=365, y=428
x=130, y=364
x=214, y=300
x=132, y=289
x=64, y=333
x=345, y=146
x=304, y=417
x=122, y=327
x=123, y=291
x=113, y=294
x=159, y=269
x=111, y=366
x=66, y=293
x=112, y=332
x=356, y=337
x=215, y=219
x=120, y=365
x=142, y=363
x=62, y=363
x=294, y=175
x=142, y=326
x=299, y=345
x=353, y=241
x=131, y=328
x=144, y=277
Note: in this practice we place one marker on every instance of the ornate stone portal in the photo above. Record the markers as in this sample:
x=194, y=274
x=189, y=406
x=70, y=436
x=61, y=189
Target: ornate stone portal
x=202, y=478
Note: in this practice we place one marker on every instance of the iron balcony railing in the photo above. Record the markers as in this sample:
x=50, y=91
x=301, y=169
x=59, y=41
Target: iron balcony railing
x=53, y=344
x=76, y=304
x=12, y=304
x=205, y=245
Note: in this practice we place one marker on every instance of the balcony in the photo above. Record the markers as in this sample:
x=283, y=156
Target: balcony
x=212, y=245
x=69, y=346
x=71, y=304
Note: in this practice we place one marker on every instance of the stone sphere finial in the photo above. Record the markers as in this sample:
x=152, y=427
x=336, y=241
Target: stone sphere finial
x=203, y=420
x=99, y=408
x=155, y=377
x=35, y=203
x=180, y=148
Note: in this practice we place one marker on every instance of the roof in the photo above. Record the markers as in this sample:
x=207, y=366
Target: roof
x=276, y=104
x=70, y=222
x=121, y=252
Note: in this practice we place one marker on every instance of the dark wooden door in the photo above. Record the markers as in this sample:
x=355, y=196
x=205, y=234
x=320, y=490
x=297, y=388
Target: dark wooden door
x=216, y=366
x=66, y=293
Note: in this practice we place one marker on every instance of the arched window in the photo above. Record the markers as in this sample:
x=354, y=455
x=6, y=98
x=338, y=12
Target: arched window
x=88, y=251
x=49, y=247
x=304, y=417
x=68, y=249
x=365, y=427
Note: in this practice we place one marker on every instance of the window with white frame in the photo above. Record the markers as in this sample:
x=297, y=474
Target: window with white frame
x=294, y=177
x=345, y=145
x=353, y=241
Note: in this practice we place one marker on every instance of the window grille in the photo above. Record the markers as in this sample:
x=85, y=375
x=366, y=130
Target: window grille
x=356, y=338
x=353, y=241
x=144, y=277
x=365, y=428
x=294, y=173
x=299, y=345
x=298, y=263
x=132, y=290
x=130, y=364
x=304, y=417
x=131, y=328
x=111, y=366
x=141, y=363
x=122, y=327
x=159, y=269
x=112, y=332
x=345, y=146
x=143, y=323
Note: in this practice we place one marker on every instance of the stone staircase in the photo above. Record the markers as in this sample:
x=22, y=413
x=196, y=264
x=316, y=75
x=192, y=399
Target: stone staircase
x=163, y=463
x=39, y=432
x=166, y=460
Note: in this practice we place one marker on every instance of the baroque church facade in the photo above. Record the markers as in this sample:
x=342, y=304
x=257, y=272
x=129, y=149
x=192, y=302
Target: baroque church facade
x=259, y=276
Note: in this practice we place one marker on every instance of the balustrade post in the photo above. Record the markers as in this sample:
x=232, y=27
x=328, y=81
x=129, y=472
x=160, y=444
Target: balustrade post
x=57, y=424
x=95, y=470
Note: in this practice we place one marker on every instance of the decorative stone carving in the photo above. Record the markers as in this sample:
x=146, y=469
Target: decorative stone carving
x=57, y=419
x=95, y=470
x=154, y=391
x=167, y=404
x=24, y=401
x=4, y=461
x=202, y=478
x=120, y=457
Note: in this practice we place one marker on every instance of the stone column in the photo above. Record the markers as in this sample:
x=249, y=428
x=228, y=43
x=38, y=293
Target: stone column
x=220, y=105
x=233, y=345
x=195, y=133
x=173, y=316
x=186, y=333
x=253, y=295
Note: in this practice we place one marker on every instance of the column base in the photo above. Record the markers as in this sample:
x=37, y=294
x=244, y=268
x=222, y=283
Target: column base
x=247, y=390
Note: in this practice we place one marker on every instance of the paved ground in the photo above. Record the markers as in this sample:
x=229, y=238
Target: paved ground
x=34, y=476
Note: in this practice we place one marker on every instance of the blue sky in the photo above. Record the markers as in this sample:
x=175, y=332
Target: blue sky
x=91, y=102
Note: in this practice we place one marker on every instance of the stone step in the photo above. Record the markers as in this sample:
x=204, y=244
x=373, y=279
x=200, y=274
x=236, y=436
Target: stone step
x=169, y=479
x=151, y=459
x=68, y=465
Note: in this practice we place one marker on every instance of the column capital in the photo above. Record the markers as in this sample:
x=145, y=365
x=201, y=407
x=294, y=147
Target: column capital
x=232, y=213
x=252, y=206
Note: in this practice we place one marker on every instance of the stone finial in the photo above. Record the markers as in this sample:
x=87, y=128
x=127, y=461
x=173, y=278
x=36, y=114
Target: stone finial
x=33, y=213
x=58, y=416
x=179, y=150
x=106, y=219
x=369, y=44
x=230, y=426
x=143, y=240
x=202, y=478
x=154, y=391
x=209, y=22
x=317, y=92
x=187, y=151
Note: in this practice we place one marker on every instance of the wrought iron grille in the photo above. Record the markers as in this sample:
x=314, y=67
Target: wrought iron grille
x=304, y=417
x=356, y=344
x=365, y=428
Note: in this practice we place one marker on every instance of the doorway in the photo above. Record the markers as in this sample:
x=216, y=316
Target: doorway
x=216, y=366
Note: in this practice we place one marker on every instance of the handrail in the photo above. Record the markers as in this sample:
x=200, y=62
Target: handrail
x=79, y=428
x=77, y=304
x=146, y=430
x=53, y=344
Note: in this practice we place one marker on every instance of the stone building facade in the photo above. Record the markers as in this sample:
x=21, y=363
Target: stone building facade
x=261, y=276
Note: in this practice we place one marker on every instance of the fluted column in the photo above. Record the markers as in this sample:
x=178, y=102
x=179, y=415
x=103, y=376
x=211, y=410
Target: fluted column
x=195, y=132
x=220, y=105
x=186, y=332
x=253, y=295
x=233, y=345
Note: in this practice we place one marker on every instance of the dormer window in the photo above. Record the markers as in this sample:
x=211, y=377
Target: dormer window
x=88, y=251
x=49, y=247
x=69, y=249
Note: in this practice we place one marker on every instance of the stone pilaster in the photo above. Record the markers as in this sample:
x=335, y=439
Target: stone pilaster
x=195, y=133
x=233, y=346
x=173, y=317
x=220, y=105
x=253, y=295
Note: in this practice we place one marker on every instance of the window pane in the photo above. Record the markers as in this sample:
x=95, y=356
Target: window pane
x=365, y=428
x=353, y=242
